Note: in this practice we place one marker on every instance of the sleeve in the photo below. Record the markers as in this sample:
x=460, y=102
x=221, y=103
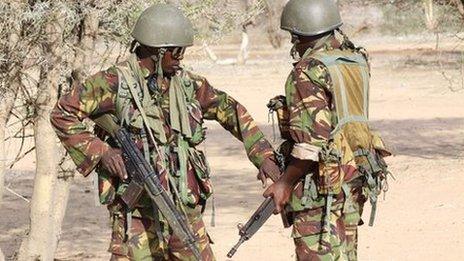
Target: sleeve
x=308, y=99
x=96, y=96
x=218, y=105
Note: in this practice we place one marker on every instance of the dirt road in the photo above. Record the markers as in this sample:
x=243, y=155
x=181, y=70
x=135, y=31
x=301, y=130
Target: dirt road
x=422, y=217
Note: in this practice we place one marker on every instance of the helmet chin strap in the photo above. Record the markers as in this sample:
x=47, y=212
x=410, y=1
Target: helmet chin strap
x=158, y=61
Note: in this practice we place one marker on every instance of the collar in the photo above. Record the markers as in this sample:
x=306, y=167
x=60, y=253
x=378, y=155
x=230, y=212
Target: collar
x=322, y=44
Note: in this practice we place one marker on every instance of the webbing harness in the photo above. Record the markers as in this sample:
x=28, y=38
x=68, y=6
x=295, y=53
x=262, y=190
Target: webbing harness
x=376, y=183
x=332, y=60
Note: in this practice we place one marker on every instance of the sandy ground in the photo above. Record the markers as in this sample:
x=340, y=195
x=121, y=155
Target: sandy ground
x=421, y=218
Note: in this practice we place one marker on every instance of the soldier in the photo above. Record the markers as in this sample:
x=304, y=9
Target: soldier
x=152, y=89
x=333, y=160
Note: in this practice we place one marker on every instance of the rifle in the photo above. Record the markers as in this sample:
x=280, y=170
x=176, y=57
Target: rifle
x=143, y=177
x=261, y=215
x=256, y=221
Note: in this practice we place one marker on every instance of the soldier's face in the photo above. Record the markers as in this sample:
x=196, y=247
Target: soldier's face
x=171, y=59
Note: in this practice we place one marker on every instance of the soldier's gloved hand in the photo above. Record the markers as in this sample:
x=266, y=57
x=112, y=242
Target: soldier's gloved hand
x=269, y=169
x=280, y=191
x=112, y=161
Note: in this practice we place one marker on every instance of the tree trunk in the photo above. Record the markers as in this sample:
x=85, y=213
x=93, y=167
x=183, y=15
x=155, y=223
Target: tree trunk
x=6, y=104
x=273, y=10
x=61, y=196
x=86, y=45
x=85, y=48
x=430, y=20
x=41, y=241
x=2, y=154
x=243, y=52
x=2, y=257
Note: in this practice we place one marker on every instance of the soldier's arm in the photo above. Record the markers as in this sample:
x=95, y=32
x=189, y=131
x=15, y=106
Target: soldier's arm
x=308, y=99
x=95, y=96
x=218, y=105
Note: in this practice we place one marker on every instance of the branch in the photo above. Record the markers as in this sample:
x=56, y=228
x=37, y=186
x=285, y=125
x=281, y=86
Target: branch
x=460, y=6
x=21, y=157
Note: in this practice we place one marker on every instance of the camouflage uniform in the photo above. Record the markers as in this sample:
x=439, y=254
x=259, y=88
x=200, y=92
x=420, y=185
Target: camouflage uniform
x=149, y=236
x=326, y=120
x=350, y=168
x=311, y=120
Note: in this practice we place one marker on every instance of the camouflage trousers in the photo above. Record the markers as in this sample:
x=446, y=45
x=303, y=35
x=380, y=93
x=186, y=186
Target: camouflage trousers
x=141, y=241
x=352, y=212
x=316, y=240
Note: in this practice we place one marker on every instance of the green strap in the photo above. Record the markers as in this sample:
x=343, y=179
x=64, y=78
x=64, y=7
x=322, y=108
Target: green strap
x=328, y=208
x=182, y=153
x=178, y=111
x=373, y=213
x=345, y=120
x=336, y=56
x=137, y=101
x=310, y=190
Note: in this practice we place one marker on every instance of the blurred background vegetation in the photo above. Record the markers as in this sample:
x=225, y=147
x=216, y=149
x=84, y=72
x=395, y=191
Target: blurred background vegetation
x=46, y=46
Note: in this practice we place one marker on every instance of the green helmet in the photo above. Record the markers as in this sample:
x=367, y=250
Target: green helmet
x=310, y=17
x=163, y=25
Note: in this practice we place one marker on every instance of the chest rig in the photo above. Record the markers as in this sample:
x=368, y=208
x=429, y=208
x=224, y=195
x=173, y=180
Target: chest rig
x=173, y=120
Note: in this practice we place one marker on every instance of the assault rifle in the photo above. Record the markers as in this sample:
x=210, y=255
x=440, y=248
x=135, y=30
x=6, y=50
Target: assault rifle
x=256, y=221
x=143, y=177
x=262, y=214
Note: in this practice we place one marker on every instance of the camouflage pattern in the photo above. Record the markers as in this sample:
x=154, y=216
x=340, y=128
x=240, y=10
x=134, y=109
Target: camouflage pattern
x=312, y=118
x=350, y=155
x=312, y=240
x=142, y=243
x=352, y=212
x=98, y=95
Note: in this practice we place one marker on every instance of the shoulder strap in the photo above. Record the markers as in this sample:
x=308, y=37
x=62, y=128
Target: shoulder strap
x=133, y=83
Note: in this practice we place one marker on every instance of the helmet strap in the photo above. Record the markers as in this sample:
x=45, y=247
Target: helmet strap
x=159, y=68
x=158, y=60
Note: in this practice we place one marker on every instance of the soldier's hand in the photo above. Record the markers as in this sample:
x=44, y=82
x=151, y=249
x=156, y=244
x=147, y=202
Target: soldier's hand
x=113, y=162
x=280, y=191
x=269, y=169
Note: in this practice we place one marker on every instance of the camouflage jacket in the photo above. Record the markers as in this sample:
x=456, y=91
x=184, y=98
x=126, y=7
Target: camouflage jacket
x=311, y=111
x=98, y=94
x=311, y=119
